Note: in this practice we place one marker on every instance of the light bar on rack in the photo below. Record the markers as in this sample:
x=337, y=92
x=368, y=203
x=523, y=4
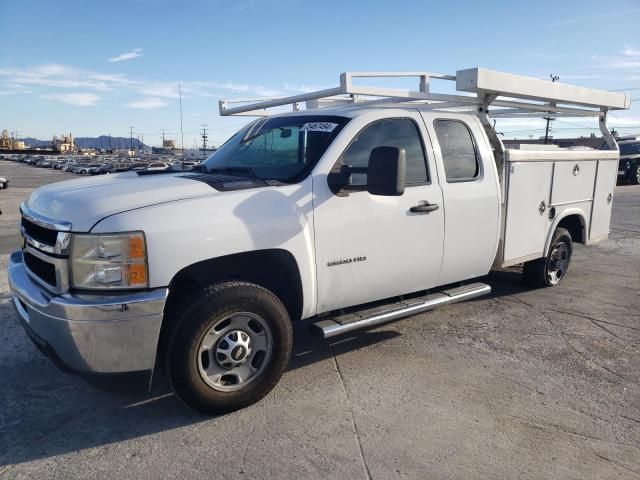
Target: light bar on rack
x=491, y=82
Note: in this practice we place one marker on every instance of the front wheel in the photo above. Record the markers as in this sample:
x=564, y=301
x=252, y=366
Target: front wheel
x=229, y=347
x=549, y=270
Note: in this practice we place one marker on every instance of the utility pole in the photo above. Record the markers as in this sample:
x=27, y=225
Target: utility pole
x=546, y=133
x=142, y=142
x=204, y=137
x=131, y=139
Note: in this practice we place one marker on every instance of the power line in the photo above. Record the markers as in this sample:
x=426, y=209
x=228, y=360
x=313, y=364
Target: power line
x=625, y=89
x=204, y=137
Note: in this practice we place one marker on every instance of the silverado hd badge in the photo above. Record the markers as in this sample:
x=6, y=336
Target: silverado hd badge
x=342, y=261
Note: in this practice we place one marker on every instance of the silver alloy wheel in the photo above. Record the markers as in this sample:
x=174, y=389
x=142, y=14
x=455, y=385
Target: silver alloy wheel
x=234, y=351
x=558, y=263
x=638, y=175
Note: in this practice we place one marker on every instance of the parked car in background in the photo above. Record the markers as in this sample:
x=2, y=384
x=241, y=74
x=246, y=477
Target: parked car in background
x=43, y=163
x=184, y=166
x=84, y=169
x=114, y=168
x=94, y=168
x=4, y=183
x=67, y=167
x=629, y=165
x=157, y=166
x=136, y=167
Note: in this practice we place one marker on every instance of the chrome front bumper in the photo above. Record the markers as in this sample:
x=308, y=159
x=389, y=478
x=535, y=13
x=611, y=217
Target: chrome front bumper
x=94, y=334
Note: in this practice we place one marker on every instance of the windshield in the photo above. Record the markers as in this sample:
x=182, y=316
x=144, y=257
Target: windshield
x=280, y=148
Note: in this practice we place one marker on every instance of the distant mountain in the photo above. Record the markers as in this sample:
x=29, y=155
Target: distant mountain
x=103, y=142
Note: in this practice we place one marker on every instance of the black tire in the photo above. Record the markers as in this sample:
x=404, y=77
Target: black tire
x=192, y=322
x=635, y=178
x=540, y=272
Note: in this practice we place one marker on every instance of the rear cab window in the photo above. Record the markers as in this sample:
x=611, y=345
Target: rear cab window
x=458, y=149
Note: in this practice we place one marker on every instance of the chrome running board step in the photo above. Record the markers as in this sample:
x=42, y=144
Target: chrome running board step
x=370, y=317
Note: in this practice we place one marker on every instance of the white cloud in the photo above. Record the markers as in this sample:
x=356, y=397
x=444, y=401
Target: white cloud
x=304, y=88
x=135, y=53
x=55, y=76
x=588, y=18
x=77, y=99
x=147, y=103
x=631, y=51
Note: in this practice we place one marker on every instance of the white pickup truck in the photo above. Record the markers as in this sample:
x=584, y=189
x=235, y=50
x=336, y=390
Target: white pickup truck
x=369, y=205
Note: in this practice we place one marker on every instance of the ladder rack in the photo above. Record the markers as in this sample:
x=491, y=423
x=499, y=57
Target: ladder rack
x=481, y=90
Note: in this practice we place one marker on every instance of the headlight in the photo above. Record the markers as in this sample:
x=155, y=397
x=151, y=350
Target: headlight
x=113, y=261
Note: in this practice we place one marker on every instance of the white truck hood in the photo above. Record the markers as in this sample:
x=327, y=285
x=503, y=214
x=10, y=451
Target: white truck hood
x=83, y=202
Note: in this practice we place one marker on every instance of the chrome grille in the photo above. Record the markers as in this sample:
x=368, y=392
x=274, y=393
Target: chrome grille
x=40, y=268
x=46, y=250
x=39, y=233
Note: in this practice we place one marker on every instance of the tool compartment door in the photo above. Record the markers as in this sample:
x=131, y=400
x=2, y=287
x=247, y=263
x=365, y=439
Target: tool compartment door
x=529, y=185
x=607, y=171
x=572, y=182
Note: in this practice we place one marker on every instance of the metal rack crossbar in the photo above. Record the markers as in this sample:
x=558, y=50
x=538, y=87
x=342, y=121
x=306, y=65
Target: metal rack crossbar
x=481, y=90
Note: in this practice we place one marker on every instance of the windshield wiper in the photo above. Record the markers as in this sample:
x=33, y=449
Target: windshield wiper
x=239, y=170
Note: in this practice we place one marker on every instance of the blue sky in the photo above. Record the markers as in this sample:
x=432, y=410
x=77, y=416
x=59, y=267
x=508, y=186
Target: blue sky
x=97, y=67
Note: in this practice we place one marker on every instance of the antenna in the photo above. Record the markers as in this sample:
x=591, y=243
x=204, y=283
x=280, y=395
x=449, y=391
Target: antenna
x=181, y=132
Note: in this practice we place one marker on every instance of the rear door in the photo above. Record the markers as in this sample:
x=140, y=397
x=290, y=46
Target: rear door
x=469, y=182
x=372, y=247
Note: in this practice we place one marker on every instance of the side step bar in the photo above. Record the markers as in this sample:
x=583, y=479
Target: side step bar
x=349, y=322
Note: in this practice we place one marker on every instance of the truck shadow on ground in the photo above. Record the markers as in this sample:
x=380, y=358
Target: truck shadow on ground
x=51, y=413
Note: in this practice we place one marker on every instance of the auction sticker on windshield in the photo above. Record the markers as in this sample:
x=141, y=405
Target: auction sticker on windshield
x=318, y=127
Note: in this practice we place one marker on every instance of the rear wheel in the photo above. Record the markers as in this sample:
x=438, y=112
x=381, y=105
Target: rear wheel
x=635, y=179
x=550, y=270
x=229, y=347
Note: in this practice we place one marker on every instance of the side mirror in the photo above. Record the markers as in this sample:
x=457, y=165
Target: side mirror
x=387, y=171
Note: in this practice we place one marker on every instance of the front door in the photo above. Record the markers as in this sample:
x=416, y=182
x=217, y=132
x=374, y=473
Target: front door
x=372, y=247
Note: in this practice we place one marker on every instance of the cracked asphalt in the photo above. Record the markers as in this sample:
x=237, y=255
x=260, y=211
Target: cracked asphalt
x=520, y=384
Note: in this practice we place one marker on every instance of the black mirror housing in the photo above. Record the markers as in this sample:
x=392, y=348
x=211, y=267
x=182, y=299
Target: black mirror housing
x=387, y=171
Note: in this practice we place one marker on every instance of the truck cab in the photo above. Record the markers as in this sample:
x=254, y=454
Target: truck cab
x=351, y=213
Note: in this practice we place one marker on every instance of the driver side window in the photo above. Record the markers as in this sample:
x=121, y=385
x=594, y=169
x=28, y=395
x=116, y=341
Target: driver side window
x=391, y=132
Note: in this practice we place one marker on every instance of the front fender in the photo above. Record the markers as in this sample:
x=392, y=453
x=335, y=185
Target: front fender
x=184, y=232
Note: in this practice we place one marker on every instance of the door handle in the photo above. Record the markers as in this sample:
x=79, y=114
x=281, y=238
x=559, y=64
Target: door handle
x=425, y=207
